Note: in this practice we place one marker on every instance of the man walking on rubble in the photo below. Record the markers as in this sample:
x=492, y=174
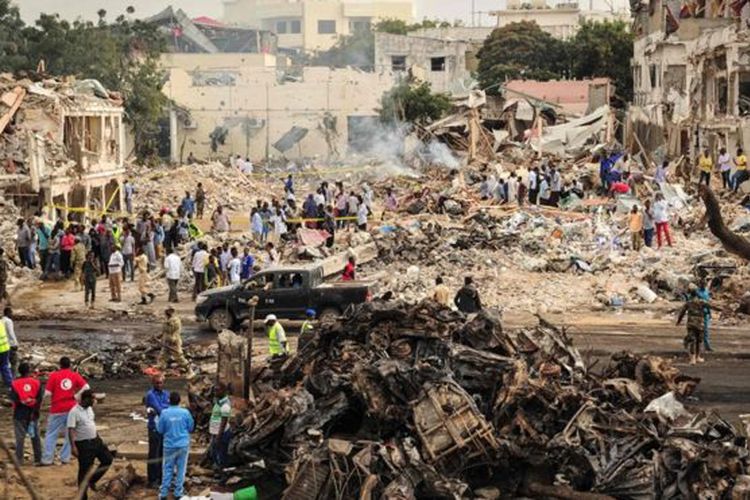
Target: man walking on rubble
x=87, y=446
x=175, y=425
x=171, y=343
x=64, y=387
x=704, y=293
x=467, y=299
x=635, y=224
x=661, y=218
x=200, y=200
x=277, y=344
x=695, y=309
x=156, y=401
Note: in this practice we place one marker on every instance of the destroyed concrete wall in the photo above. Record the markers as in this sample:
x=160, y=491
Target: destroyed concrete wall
x=64, y=141
x=441, y=62
x=256, y=107
x=691, y=84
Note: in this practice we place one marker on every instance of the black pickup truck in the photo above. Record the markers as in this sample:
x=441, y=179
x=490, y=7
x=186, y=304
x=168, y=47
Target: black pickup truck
x=286, y=292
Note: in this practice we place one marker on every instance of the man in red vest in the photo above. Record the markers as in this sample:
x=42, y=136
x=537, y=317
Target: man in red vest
x=27, y=399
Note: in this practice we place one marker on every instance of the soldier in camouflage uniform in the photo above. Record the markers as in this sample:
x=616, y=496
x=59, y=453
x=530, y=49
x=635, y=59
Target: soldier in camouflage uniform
x=695, y=308
x=171, y=342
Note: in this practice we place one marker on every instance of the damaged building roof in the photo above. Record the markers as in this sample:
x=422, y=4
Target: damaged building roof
x=573, y=96
x=207, y=35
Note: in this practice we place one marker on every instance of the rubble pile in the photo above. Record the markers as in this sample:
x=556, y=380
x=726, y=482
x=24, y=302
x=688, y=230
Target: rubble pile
x=165, y=187
x=111, y=359
x=394, y=400
x=31, y=116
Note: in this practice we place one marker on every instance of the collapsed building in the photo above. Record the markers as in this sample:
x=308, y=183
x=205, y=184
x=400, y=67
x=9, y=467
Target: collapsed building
x=691, y=78
x=62, y=145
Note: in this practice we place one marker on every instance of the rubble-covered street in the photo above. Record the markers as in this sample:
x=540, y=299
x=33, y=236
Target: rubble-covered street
x=284, y=256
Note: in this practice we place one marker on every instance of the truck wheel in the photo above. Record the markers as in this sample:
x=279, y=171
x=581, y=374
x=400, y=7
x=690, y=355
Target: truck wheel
x=220, y=319
x=329, y=314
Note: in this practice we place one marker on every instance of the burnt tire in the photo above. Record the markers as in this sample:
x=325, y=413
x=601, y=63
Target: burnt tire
x=221, y=319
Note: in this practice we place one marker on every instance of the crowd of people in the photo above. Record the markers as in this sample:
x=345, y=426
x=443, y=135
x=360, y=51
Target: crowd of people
x=70, y=415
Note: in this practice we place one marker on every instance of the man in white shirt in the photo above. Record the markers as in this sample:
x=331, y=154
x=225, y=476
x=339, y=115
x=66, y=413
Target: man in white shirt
x=173, y=270
x=200, y=258
x=86, y=444
x=234, y=267
x=661, y=219
x=116, y=263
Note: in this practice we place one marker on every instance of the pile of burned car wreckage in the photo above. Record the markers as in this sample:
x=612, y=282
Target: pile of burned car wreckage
x=398, y=400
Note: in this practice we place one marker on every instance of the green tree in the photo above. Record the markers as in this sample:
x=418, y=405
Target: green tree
x=13, y=54
x=412, y=102
x=122, y=55
x=604, y=49
x=520, y=50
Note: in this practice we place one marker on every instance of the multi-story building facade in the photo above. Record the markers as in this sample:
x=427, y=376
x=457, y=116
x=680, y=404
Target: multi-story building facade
x=691, y=77
x=312, y=25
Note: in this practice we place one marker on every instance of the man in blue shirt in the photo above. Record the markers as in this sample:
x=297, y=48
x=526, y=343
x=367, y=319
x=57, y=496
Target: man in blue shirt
x=156, y=401
x=188, y=205
x=175, y=425
x=248, y=262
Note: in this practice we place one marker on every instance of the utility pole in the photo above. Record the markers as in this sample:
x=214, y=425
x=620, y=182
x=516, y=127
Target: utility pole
x=473, y=9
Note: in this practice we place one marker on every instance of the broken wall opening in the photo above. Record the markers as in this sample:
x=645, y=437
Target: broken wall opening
x=95, y=197
x=675, y=77
x=77, y=199
x=112, y=196
x=743, y=87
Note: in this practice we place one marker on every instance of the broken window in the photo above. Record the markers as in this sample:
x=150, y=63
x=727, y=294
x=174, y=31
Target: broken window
x=637, y=76
x=437, y=63
x=326, y=27
x=721, y=95
x=214, y=78
x=281, y=27
x=295, y=26
x=743, y=99
x=398, y=63
x=674, y=78
x=652, y=75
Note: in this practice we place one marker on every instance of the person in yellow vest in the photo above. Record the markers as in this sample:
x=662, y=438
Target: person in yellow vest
x=305, y=333
x=705, y=165
x=740, y=170
x=5, y=356
x=277, y=345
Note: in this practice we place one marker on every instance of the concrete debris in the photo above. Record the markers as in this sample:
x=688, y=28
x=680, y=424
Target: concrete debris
x=398, y=400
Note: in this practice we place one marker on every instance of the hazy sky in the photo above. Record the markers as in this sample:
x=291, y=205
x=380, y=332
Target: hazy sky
x=70, y=9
